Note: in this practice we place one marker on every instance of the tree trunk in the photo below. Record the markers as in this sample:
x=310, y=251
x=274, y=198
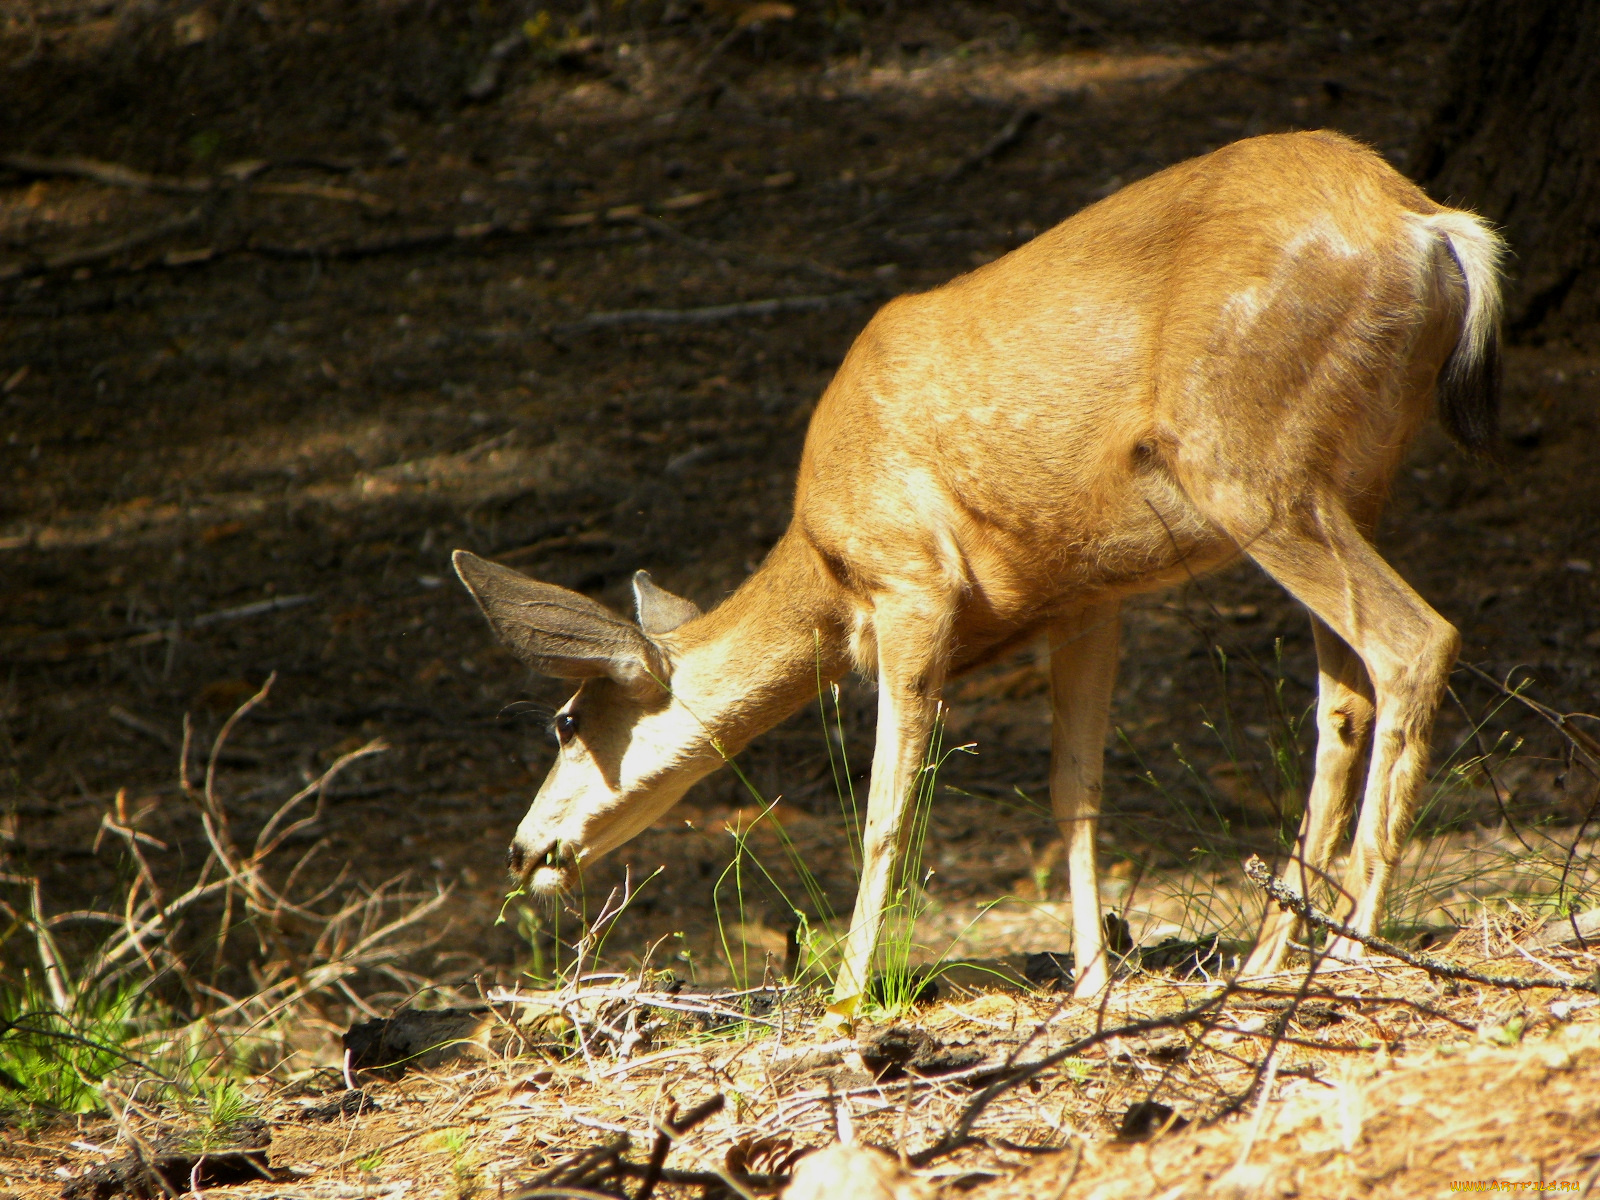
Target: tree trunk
x=1517, y=139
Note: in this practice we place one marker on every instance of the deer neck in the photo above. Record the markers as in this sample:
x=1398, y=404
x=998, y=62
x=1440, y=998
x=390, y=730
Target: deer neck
x=761, y=654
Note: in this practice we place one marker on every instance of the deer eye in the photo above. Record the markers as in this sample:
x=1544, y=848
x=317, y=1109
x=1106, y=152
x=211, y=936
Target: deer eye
x=565, y=725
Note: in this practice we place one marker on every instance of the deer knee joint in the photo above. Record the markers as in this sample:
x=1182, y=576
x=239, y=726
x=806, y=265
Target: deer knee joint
x=1352, y=720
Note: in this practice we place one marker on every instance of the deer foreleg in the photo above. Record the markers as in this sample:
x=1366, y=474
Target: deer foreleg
x=911, y=662
x=1083, y=669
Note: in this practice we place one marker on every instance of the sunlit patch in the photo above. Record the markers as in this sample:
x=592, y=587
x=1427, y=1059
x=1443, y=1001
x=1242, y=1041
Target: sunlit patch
x=1037, y=79
x=495, y=469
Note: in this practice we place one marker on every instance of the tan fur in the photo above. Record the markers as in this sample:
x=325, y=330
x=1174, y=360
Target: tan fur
x=1229, y=356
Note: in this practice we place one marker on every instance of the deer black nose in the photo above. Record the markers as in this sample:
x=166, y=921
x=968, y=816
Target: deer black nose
x=517, y=860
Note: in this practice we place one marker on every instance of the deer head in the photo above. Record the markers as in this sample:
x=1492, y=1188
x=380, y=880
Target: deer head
x=629, y=746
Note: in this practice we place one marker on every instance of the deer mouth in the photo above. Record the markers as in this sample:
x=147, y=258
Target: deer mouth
x=547, y=871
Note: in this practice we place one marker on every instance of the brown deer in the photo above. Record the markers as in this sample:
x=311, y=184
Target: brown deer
x=1228, y=357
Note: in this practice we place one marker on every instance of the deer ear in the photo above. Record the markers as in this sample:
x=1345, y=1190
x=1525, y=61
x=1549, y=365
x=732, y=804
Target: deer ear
x=659, y=610
x=559, y=632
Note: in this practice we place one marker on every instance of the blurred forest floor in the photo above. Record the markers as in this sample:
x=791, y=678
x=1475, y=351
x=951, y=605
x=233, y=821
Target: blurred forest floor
x=327, y=324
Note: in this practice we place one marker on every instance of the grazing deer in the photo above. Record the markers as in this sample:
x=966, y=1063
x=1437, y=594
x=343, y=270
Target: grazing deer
x=1226, y=358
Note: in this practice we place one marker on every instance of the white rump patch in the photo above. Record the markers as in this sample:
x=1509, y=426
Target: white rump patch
x=1479, y=251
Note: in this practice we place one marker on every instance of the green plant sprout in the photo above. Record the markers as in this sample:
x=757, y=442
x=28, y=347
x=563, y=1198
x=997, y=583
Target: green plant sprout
x=52, y=1058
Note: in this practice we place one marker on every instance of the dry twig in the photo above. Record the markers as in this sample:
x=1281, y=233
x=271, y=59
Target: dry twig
x=1587, y=746
x=69, y=260
x=147, y=933
x=711, y=313
x=1005, y=137
x=1292, y=901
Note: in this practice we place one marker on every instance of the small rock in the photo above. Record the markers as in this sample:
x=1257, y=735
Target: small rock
x=1119, y=935
x=1183, y=957
x=417, y=1038
x=900, y=1049
x=176, y=1164
x=887, y=1052
x=853, y=1173
x=1050, y=970
x=918, y=988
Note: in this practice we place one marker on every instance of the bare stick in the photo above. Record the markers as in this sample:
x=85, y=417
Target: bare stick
x=117, y=175
x=266, y=843
x=711, y=313
x=957, y=1136
x=71, y=259
x=213, y=810
x=184, y=785
x=669, y=1131
x=1588, y=747
x=242, y=611
x=139, y=725
x=1292, y=901
x=111, y=174
x=55, y=973
x=721, y=253
x=1009, y=135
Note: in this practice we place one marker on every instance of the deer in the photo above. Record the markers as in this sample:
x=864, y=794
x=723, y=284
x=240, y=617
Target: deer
x=1226, y=359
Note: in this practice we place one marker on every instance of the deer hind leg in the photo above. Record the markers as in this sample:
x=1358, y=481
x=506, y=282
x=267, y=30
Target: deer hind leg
x=912, y=641
x=1083, y=669
x=1345, y=714
x=1318, y=553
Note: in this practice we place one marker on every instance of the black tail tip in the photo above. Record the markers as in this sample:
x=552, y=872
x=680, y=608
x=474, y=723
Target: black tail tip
x=1469, y=397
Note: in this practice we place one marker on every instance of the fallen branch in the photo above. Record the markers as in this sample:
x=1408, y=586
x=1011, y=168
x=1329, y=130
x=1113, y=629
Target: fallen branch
x=721, y=253
x=139, y=725
x=711, y=313
x=242, y=612
x=1007, y=136
x=580, y=1174
x=669, y=1131
x=399, y=243
x=73, y=259
x=322, y=191
x=1298, y=998
x=48, y=648
x=1292, y=901
x=111, y=174
x=959, y=1135
x=239, y=175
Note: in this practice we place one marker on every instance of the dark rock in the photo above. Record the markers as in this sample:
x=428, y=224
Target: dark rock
x=1148, y=1118
x=887, y=1052
x=946, y=1061
x=178, y=1165
x=1316, y=1014
x=1183, y=957
x=418, y=1038
x=904, y=1049
x=1119, y=937
x=918, y=987
x=1168, y=1049
x=1049, y=970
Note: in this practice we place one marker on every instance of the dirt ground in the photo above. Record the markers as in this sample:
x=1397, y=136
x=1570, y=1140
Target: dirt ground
x=338, y=335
